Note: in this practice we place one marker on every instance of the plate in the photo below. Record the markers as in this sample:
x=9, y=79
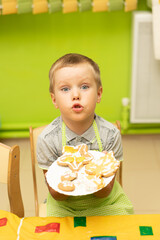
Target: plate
x=83, y=186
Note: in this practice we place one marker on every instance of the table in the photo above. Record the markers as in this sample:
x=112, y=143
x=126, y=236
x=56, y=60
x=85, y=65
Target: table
x=126, y=227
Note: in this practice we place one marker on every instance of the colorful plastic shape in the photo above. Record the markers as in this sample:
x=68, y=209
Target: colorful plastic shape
x=145, y=230
x=79, y=221
x=3, y=222
x=51, y=227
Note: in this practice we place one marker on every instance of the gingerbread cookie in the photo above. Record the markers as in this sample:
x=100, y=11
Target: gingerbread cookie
x=75, y=157
x=67, y=186
x=94, y=180
x=69, y=149
x=83, y=149
x=104, y=167
x=69, y=176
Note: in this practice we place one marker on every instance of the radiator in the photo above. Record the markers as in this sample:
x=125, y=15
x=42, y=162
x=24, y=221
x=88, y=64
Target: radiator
x=145, y=80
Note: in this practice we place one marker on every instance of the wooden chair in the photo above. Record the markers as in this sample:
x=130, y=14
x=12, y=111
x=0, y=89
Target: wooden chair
x=119, y=172
x=40, y=208
x=9, y=174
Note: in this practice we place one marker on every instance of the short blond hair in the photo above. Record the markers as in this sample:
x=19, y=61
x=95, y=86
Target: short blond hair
x=72, y=59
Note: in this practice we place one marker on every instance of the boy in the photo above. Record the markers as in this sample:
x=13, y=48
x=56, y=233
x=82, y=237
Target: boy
x=76, y=88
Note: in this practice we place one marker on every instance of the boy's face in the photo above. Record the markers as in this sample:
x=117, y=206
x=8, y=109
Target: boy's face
x=76, y=92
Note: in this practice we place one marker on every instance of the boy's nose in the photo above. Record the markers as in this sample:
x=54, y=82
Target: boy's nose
x=76, y=94
x=76, y=98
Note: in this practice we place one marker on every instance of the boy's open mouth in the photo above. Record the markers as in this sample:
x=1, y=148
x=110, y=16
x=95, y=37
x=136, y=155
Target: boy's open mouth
x=77, y=107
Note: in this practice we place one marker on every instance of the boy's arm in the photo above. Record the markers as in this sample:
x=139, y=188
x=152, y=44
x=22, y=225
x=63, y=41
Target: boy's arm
x=57, y=196
x=104, y=192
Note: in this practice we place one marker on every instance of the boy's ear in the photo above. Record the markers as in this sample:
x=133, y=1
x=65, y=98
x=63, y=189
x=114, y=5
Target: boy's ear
x=99, y=94
x=54, y=100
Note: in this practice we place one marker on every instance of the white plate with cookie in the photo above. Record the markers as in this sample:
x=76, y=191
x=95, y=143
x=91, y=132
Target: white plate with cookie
x=89, y=178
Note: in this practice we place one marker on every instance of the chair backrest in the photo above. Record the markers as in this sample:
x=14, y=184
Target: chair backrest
x=119, y=172
x=34, y=133
x=9, y=174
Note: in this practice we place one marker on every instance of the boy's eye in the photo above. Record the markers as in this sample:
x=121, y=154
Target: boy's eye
x=85, y=86
x=65, y=89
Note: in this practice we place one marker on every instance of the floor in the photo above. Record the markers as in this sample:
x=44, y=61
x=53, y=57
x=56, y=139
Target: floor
x=141, y=174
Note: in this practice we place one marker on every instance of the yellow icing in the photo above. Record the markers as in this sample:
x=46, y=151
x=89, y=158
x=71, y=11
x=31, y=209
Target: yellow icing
x=79, y=159
x=69, y=149
x=68, y=159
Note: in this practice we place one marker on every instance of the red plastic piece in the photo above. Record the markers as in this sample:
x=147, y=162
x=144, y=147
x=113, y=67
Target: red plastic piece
x=51, y=227
x=3, y=222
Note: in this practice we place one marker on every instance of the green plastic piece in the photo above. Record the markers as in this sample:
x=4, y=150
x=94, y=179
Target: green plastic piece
x=79, y=221
x=145, y=230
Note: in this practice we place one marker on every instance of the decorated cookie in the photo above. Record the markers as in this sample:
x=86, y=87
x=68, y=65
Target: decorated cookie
x=67, y=186
x=69, y=149
x=83, y=149
x=75, y=157
x=69, y=176
x=95, y=182
x=106, y=166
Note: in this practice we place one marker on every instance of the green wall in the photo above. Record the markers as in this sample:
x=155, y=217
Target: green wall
x=29, y=44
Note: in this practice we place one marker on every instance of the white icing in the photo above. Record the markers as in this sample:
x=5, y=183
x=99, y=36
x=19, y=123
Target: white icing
x=67, y=184
x=69, y=174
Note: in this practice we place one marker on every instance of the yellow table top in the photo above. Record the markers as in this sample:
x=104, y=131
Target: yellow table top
x=129, y=227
